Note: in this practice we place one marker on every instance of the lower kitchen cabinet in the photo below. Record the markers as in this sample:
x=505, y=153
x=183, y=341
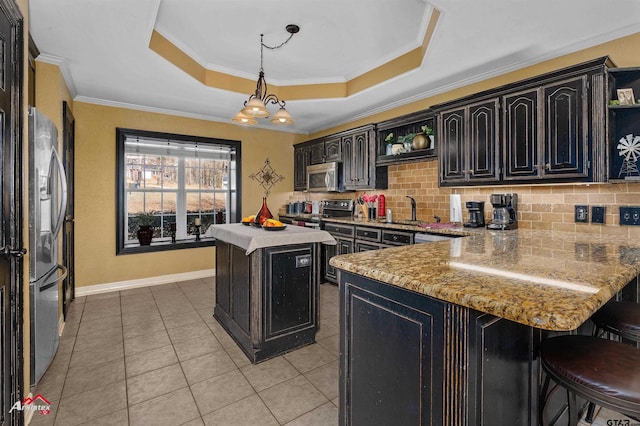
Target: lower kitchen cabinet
x=343, y=235
x=409, y=359
x=268, y=300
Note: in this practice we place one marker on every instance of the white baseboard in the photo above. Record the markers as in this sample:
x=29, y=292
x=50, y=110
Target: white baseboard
x=143, y=282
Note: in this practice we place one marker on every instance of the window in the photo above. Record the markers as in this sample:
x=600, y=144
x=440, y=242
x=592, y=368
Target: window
x=179, y=180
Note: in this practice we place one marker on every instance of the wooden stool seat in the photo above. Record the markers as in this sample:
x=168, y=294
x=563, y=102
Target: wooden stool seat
x=598, y=370
x=621, y=318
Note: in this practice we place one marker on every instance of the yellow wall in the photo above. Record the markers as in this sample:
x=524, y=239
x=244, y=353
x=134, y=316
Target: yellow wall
x=95, y=198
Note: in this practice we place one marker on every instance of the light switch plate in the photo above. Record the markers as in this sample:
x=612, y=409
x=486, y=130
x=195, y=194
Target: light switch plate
x=582, y=214
x=630, y=215
x=597, y=214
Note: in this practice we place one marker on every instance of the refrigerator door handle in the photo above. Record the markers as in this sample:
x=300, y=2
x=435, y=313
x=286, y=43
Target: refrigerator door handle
x=63, y=196
x=53, y=278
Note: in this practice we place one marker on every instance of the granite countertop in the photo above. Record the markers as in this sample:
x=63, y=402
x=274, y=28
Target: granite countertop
x=548, y=280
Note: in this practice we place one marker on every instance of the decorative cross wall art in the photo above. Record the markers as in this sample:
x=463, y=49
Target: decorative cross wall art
x=267, y=177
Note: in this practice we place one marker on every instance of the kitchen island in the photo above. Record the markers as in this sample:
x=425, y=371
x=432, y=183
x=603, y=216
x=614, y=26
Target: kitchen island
x=267, y=286
x=448, y=332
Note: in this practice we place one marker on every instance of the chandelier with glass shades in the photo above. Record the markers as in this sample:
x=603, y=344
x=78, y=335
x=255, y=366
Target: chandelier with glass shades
x=255, y=106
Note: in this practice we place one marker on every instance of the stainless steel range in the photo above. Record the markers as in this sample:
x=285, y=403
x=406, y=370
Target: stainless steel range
x=328, y=209
x=337, y=208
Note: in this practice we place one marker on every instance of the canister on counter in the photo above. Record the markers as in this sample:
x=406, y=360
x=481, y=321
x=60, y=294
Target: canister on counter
x=381, y=205
x=389, y=220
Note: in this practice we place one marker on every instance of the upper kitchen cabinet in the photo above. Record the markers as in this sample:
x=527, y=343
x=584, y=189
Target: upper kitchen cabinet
x=469, y=143
x=624, y=123
x=358, y=158
x=546, y=129
x=354, y=149
x=332, y=149
x=546, y=132
x=397, y=129
x=301, y=159
x=316, y=152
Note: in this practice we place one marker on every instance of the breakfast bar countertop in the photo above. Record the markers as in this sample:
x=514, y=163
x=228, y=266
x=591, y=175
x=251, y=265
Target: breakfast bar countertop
x=548, y=280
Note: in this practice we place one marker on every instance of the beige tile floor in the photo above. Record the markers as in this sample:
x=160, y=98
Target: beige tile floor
x=156, y=356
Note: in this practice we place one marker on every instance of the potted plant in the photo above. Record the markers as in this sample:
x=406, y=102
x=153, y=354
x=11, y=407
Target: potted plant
x=406, y=141
x=424, y=139
x=389, y=140
x=145, y=233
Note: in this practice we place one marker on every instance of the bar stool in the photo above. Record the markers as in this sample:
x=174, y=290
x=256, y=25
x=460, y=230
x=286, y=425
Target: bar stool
x=599, y=370
x=621, y=319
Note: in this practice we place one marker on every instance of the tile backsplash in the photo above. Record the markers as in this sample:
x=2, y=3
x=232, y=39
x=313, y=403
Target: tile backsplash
x=548, y=207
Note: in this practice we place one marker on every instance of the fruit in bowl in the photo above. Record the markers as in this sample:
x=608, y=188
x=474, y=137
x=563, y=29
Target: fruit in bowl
x=272, y=223
x=248, y=220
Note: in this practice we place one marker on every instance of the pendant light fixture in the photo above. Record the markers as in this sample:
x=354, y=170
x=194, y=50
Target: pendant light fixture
x=256, y=105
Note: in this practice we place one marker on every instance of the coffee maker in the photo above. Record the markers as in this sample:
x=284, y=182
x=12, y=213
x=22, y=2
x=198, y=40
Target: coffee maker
x=476, y=214
x=504, y=211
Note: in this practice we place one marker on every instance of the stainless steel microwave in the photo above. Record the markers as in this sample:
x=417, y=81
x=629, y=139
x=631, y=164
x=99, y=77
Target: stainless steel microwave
x=324, y=177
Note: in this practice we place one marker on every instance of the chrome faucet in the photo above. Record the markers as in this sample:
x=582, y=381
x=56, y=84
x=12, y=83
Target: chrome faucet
x=413, y=208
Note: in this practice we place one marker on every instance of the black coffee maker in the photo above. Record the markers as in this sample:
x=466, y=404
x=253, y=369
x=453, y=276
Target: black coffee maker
x=504, y=211
x=476, y=214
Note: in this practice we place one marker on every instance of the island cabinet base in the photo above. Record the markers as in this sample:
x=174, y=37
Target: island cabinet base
x=409, y=359
x=268, y=300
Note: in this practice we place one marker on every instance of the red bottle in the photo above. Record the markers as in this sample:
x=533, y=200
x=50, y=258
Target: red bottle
x=263, y=214
x=381, y=206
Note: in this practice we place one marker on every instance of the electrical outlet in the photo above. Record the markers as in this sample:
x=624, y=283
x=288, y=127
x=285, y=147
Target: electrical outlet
x=630, y=216
x=597, y=214
x=582, y=214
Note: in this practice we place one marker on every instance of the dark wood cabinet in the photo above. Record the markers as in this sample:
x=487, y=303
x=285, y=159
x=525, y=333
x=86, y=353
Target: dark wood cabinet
x=469, y=143
x=332, y=149
x=357, y=159
x=548, y=128
x=316, y=152
x=546, y=132
x=521, y=134
x=391, y=355
x=343, y=235
x=624, y=123
x=402, y=126
x=355, y=149
x=267, y=300
x=301, y=159
x=406, y=358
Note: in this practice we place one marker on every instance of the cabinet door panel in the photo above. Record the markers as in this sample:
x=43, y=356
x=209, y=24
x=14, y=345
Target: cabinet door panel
x=453, y=153
x=288, y=291
x=332, y=150
x=520, y=129
x=300, y=163
x=392, y=364
x=566, y=148
x=316, y=153
x=361, y=160
x=483, y=142
x=348, y=161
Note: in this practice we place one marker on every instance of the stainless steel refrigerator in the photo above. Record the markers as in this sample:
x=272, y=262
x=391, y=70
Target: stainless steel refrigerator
x=47, y=203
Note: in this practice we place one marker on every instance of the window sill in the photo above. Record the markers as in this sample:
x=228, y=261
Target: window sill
x=165, y=246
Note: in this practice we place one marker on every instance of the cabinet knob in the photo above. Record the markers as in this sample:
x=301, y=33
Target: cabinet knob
x=470, y=171
x=547, y=166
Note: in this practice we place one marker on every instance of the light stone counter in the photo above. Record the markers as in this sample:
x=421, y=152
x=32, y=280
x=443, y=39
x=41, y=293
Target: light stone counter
x=553, y=281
